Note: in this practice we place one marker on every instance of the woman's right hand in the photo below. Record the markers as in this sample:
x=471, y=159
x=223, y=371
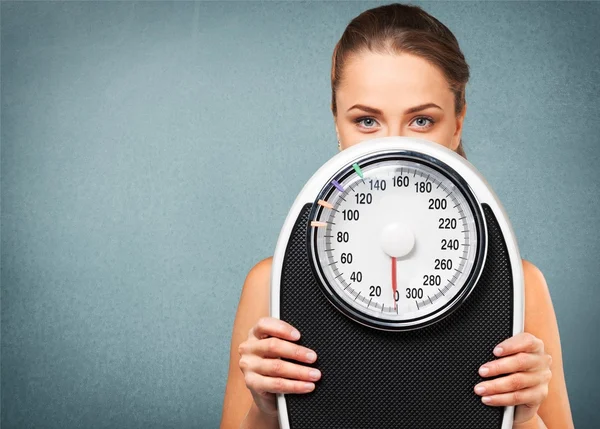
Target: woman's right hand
x=265, y=373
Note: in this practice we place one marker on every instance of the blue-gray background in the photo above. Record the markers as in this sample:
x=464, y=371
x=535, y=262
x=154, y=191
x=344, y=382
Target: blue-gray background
x=150, y=152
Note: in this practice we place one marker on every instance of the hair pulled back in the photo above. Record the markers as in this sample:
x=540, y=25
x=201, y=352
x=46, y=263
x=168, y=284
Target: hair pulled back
x=403, y=28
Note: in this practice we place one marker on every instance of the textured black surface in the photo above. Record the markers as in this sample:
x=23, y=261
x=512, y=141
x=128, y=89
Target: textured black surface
x=419, y=379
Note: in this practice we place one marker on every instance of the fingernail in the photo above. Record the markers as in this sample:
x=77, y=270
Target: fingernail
x=480, y=389
x=309, y=386
x=486, y=399
x=484, y=370
x=314, y=373
x=311, y=356
x=295, y=334
x=498, y=351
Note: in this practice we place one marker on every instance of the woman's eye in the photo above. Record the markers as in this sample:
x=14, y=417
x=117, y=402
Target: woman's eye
x=367, y=122
x=421, y=120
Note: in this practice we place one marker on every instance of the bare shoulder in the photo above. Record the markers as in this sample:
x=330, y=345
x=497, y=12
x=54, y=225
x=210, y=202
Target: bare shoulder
x=261, y=269
x=253, y=304
x=531, y=272
x=536, y=288
x=540, y=320
x=259, y=277
x=254, y=300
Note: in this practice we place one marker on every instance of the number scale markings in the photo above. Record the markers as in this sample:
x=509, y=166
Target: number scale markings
x=350, y=184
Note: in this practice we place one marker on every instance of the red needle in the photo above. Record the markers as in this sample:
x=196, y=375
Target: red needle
x=394, y=285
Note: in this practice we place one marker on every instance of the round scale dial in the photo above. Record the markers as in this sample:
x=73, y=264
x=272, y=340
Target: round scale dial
x=396, y=240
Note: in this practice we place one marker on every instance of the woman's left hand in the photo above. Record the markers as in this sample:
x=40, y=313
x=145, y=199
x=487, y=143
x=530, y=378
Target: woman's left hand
x=526, y=386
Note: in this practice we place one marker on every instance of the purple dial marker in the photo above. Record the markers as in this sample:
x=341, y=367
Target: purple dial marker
x=337, y=185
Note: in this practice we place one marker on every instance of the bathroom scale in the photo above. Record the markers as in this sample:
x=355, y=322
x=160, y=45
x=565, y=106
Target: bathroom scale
x=400, y=268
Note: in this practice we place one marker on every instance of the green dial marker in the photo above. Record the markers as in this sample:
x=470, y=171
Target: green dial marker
x=357, y=169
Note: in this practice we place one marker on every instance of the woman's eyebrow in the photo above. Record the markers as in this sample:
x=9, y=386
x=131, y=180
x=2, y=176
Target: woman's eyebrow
x=408, y=111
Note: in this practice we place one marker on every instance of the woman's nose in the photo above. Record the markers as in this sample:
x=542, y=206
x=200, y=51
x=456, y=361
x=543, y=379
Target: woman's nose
x=394, y=131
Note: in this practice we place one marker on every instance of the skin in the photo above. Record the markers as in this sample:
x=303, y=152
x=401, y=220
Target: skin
x=529, y=365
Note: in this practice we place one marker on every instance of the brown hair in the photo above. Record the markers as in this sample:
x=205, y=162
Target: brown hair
x=398, y=28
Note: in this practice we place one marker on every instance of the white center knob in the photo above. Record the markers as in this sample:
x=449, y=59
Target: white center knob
x=397, y=240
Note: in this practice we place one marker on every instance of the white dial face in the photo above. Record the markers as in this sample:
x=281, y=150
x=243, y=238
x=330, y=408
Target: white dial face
x=395, y=239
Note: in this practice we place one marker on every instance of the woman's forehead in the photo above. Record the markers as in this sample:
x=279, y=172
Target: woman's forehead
x=389, y=79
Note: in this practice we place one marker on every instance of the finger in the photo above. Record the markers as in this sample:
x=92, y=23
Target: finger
x=261, y=383
x=271, y=327
x=523, y=342
x=513, y=382
x=278, y=348
x=530, y=396
x=514, y=363
x=290, y=370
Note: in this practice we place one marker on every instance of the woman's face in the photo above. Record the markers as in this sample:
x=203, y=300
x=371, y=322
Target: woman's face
x=386, y=95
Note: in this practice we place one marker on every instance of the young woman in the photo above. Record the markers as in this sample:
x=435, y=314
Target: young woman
x=396, y=71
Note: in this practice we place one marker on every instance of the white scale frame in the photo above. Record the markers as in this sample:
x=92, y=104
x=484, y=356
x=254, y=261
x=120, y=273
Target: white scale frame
x=480, y=188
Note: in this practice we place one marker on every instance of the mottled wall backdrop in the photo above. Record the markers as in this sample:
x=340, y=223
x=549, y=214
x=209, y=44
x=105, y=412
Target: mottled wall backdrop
x=150, y=152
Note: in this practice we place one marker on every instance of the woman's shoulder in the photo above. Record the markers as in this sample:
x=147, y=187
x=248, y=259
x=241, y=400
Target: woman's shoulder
x=255, y=291
x=536, y=288
x=540, y=318
x=260, y=271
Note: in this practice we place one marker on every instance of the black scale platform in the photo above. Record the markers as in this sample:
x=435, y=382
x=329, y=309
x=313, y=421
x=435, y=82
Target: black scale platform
x=421, y=379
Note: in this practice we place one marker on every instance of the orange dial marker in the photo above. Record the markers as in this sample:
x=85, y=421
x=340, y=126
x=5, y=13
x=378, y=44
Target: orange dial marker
x=324, y=204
